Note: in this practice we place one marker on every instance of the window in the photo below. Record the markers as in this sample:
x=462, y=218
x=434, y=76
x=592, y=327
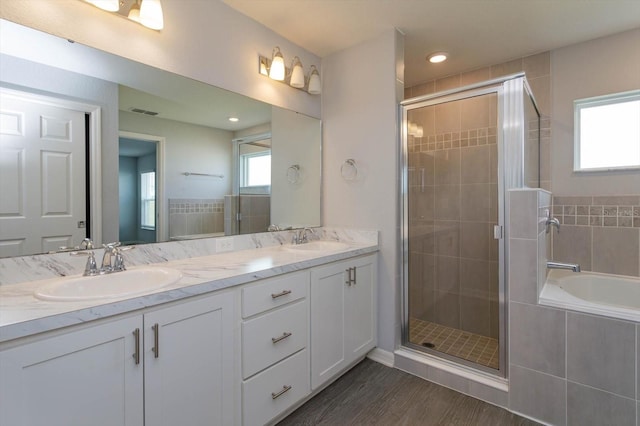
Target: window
x=148, y=200
x=255, y=169
x=607, y=132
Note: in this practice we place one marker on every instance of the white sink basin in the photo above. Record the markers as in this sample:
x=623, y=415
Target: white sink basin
x=317, y=246
x=118, y=284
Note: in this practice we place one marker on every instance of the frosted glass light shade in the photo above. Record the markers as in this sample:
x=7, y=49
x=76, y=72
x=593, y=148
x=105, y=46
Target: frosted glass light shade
x=108, y=5
x=297, y=76
x=315, y=87
x=151, y=14
x=276, y=72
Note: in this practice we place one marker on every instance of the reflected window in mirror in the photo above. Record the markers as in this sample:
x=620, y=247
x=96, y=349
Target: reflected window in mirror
x=148, y=200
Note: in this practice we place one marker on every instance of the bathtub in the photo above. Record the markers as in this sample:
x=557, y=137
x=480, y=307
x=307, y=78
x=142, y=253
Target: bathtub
x=613, y=296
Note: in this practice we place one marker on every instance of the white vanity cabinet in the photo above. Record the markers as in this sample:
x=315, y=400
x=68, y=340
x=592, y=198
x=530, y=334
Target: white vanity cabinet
x=109, y=374
x=84, y=377
x=343, y=316
x=275, y=341
x=189, y=363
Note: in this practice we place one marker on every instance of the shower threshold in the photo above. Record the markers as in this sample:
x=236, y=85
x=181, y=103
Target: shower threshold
x=476, y=348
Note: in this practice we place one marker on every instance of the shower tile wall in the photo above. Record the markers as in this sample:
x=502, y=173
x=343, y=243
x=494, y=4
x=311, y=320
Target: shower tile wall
x=452, y=210
x=195, y=216
x=600, y=233
x=256, y=214
x=538, y=71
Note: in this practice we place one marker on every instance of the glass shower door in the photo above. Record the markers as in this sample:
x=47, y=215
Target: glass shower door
x=452, y=208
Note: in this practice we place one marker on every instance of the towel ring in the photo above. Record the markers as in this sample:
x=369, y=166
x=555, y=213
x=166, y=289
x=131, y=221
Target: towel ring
x=293, y=174
x=349, y=170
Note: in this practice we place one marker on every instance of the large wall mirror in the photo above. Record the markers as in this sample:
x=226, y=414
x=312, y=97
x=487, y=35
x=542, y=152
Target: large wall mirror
x=95, y=145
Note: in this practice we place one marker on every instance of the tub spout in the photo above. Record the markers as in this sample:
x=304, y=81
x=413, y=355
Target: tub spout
x=559, y=265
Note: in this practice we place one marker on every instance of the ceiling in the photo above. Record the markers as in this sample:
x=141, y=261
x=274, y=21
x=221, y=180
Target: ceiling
x=476, y=33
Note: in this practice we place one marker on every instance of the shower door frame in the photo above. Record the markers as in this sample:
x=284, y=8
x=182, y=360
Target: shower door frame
x=484, y=88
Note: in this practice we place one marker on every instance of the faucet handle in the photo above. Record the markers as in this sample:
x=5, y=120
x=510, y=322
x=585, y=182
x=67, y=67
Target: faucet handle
x=91, y=267
x=86, y=244
x=118, y=262
x=112, y=246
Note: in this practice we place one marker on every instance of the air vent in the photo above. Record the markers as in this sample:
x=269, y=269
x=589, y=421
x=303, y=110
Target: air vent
x=143, y=111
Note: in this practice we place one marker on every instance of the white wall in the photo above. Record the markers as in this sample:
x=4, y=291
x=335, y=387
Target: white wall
x=362, y=88
x=202, y=39
x=188, y=148
x=597, y=67
x=294, y=141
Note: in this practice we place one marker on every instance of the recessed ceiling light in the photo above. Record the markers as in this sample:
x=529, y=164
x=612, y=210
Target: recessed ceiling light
x=234, y=119
x=436, y=58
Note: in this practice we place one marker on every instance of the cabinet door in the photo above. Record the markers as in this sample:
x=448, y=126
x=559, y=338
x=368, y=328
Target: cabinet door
x=343, y=316
x=190, y=364
x=328, y=292
x=85, y=377
x=361, y=308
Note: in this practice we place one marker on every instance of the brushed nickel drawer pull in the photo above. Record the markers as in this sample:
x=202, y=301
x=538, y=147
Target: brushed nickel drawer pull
x=277, y=339
x=354, y=276
x=348, y=281
x=285, y=389
x=282, y=293
x=136, y=353
x=156, y=340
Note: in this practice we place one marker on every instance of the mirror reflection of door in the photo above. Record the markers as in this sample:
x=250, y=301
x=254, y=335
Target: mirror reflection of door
x=254, y=193
x=138, y=195
x=43, y=196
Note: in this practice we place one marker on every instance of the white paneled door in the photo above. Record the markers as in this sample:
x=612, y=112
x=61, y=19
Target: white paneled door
x=42, y=175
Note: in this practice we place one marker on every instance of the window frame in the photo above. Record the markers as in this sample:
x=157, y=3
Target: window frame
x=145, y=201
x=578, y=106
x=244, y=168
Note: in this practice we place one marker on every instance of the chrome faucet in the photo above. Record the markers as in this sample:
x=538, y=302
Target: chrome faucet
x=300, y=237
x=559, y=265
x=91, y=268
x=112, y=260
x=552, y=221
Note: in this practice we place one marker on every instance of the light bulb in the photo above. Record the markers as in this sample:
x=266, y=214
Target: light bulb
x=134, y=12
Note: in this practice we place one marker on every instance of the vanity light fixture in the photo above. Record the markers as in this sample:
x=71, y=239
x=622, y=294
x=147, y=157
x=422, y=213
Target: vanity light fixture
x=276, y=71
x=145, y=12
x=294, y=76
x=437, y=57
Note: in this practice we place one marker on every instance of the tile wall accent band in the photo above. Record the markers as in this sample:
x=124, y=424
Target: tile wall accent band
x=614, y=211
x=191, y=205
x=449, y=140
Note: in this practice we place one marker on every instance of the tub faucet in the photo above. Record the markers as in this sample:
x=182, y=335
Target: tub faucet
x=552, y=221
x=559, y=265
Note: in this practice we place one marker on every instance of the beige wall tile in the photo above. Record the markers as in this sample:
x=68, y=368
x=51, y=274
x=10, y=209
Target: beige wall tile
x=474, y=278
x=541, y=88
x=447, y=238
x=475, y=164
x=422, y=89
x=506, y=68
x=447, y=166
x=475, y=112
x=621, y=200
x=447, y=117
x=474, y=315
x=447, y=83
x=573, y=245
x=616, y=251
x=475, y=76
x=447, y=274
x=474, y=240
x=537, y=65
x=475, y=202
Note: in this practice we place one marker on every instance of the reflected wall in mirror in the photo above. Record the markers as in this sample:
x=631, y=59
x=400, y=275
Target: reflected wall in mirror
x=156, y=157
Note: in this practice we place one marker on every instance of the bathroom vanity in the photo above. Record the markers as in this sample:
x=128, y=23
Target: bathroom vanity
x=243, y=337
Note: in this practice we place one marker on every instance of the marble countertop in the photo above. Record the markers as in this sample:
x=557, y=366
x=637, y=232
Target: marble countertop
x=21, y=314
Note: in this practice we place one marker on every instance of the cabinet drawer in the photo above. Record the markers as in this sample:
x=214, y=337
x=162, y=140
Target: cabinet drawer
x=274, y=336
x=274, y=292
x=260, y=399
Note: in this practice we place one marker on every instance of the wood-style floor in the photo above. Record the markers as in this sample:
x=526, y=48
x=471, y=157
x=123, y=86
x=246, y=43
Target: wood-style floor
x=373, y=394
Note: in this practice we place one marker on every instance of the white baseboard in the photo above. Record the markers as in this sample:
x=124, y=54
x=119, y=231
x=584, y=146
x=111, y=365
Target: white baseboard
x=381, y=356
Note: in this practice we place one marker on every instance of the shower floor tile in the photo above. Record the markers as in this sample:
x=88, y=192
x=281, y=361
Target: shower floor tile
x=462, y=344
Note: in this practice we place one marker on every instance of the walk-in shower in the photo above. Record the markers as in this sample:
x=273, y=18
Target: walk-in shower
x=462, y=150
